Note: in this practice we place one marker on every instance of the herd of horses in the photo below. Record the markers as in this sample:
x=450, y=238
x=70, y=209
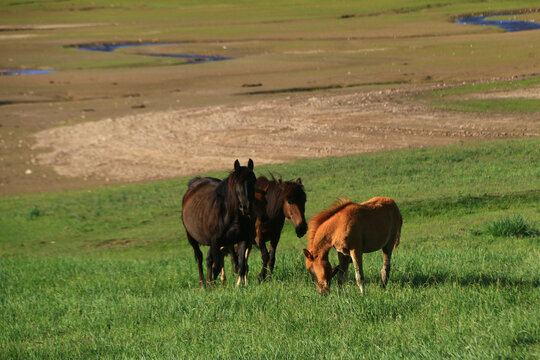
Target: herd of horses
x=230, y=215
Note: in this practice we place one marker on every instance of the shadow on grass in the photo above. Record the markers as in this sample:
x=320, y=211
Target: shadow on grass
x=433, y=279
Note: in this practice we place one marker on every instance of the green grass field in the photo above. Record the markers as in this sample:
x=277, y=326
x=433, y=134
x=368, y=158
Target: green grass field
x=461, y=98
x=107, y=273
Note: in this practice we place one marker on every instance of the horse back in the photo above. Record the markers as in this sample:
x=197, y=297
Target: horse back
x=369, y=226
x=201, y=209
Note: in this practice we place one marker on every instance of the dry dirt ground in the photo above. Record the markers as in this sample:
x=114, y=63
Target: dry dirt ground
x=173, y=143
x=117, y=117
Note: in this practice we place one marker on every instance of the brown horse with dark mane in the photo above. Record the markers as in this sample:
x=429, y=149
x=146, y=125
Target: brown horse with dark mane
x=275, y=200
x=282, y=199
x=352, y=229
x=219, y=213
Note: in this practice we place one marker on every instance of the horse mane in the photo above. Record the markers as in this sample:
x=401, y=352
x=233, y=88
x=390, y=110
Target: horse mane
x=276, y=193
x=321, y=217
x=273, y=196
x=225, y=191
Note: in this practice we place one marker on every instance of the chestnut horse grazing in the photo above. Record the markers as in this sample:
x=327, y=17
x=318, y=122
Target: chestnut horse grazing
x=282, y=199
x=352, y=229
x=219, y=213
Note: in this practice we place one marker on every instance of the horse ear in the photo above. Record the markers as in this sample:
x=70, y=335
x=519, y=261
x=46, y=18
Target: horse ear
x=250, y=164
x=236, y=165
x=299, y=181
x=307, y=254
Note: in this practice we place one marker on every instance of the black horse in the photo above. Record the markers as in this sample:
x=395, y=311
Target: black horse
x=219, y=213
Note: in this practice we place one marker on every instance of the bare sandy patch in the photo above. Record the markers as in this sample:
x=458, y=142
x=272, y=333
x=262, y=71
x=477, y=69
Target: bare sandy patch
x=46, y=26
x=303, y=52
x=193, y=141
x=17, y=36
x=361, y=51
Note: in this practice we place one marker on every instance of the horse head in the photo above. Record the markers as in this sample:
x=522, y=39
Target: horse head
x=320, y=268
x=294, y=205
x=242, y=184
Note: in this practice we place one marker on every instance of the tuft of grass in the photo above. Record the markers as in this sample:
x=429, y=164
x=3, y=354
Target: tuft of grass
x=35, y=212
x=512, y=226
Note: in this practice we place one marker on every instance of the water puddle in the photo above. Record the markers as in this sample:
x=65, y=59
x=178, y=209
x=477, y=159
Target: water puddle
x=192, y=58
x=25, y=72
x=112, y=47
x=508, y=25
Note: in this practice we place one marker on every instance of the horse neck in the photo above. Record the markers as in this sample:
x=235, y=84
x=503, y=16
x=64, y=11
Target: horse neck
x=228, y=196
x=320, y=245
x=275, y=200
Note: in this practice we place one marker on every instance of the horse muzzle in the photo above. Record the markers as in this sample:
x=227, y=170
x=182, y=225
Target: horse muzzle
x=301, y=230
x=324, y=291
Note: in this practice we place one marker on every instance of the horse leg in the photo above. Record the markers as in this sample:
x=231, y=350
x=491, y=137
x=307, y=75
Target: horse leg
x=356, y=257
x=344, y=262
x=248, y=250
x=265, y=257
x=209, y=266
x=272, y=260
x=242, y=264
x=198, y=257
x=222, y=252
x=385, y=271
x=234, y=259
x=234, y=262
x=216, y=263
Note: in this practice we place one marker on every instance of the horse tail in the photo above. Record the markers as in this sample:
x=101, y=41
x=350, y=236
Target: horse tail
x=398, y=233
x=321, y=217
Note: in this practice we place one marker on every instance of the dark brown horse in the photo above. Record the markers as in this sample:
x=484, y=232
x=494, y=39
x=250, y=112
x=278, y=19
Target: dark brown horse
x=282, y=199
x=219, y=213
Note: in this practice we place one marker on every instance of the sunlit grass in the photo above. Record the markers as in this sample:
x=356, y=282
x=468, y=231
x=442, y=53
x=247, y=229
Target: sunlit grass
x=462, y=98
x=108, y=273
x=512, y=226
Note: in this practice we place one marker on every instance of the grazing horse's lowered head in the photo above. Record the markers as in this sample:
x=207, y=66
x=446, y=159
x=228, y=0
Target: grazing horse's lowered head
x=321, y=270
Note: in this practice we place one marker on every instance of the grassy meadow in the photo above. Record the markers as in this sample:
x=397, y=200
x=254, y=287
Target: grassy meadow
x=483, y=97
x=108, y=273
